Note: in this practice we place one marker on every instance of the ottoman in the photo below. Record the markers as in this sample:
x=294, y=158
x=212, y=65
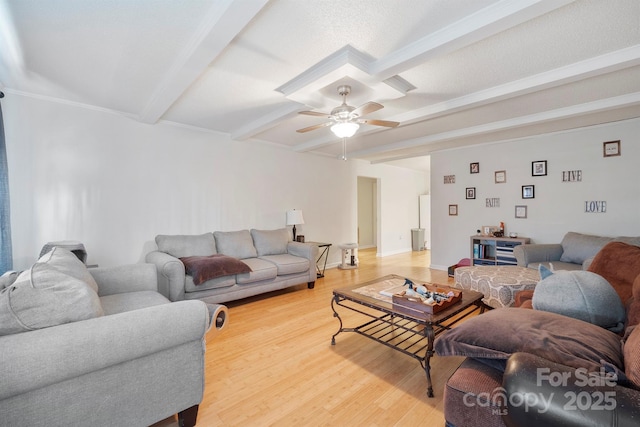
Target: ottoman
x=499, y=283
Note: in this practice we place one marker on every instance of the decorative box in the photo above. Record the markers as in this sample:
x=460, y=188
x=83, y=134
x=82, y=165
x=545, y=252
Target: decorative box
x=411, y=304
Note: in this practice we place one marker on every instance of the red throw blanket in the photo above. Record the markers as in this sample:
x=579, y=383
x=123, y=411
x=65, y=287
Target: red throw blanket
x=203, y=268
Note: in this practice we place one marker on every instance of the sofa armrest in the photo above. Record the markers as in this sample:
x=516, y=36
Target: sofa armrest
x=125, y=278
x=304, y=250
x=78, y=348
x=544, y=393
x=540, y=252
x=171, y=274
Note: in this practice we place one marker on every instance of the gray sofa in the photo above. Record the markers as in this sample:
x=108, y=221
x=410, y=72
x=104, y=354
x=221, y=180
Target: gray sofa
x=575, y=252
x=97, y=347
x=275, y=262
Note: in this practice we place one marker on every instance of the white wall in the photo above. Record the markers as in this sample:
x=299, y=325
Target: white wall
x=114, y=184
x=558, y=206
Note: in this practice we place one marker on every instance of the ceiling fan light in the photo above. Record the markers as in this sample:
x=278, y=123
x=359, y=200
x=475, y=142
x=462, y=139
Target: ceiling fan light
x=345, y=130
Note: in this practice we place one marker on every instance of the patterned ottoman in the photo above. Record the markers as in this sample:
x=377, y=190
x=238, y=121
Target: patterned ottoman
x=499, y=284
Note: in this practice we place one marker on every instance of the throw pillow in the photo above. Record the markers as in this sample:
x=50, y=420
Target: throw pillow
x=42, y=297
x=236, y=244
x=270, y=242
x=68, y=263
x=499, y=333
x=632, y=357
x=619, y=263
x=582, y=295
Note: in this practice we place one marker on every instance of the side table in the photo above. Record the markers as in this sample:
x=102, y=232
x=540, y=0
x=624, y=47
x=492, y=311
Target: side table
x=324, y=252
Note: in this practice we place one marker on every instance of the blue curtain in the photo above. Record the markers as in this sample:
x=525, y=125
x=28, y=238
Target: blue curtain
x=6, y=257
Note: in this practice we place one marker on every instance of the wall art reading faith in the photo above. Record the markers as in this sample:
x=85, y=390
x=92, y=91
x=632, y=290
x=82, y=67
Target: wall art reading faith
x=595, y=206
x=449, y=179
x=492, y=202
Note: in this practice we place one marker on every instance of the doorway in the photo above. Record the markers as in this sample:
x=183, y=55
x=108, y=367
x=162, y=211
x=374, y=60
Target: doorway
x=367, y=212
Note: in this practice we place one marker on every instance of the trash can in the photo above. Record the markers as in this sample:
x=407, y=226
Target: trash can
x=417, y=239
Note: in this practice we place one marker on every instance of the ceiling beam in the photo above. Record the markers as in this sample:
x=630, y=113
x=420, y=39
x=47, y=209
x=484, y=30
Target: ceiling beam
x=592, y=67
x=223, y=22
x=485, y=23
x=615, y=102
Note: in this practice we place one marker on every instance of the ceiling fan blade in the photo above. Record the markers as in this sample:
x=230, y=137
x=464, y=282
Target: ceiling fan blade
x=314, y=127
x=314, y=113
x=365, y=109
x=386, y=123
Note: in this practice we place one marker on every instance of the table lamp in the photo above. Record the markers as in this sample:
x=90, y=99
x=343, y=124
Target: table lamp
x=294, y=217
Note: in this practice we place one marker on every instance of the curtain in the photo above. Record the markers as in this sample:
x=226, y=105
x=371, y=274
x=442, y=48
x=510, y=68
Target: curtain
x=6, y=257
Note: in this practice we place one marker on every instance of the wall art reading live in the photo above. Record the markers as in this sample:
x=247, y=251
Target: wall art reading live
x=595, y=206
x=571, y=176
x=449, y=179
x=493, y=202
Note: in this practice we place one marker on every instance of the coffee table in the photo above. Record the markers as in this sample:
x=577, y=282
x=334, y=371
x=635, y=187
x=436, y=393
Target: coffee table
x=412, y=334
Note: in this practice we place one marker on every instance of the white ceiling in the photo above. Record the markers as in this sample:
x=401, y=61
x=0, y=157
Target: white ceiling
x=452, y=72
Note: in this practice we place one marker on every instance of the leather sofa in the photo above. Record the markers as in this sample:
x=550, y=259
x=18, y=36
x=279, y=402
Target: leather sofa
x=527, y=367
x=98, y=347
x=274, y=263
x=574, y=252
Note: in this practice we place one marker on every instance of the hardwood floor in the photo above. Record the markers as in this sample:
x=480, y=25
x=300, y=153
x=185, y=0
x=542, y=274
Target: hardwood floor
x=273, y=364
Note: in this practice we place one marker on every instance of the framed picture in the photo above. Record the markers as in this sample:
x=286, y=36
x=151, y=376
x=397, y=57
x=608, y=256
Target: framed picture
x=521, y=211
x=539, y=168
x=528, y=191
x=471, y=192
x=474, y=167
x=453, y=210
x=500, y=177
x=487, y=230
x=611, y=148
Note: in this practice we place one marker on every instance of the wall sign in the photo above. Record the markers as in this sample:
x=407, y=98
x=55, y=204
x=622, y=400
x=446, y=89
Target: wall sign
x=492, y=202
x=595, y=206
x=449, y=179
x=571, y=176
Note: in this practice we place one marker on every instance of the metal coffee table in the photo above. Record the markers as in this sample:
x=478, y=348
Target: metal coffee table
x=412, y=334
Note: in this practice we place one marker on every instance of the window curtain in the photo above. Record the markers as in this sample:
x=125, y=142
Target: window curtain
x=6, y=257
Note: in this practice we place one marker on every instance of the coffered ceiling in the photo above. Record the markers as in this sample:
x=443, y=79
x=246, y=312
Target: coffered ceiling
x=452, y=72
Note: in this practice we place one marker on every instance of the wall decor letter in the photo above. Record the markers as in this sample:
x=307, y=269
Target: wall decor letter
x=595, y=206
x=572, y=176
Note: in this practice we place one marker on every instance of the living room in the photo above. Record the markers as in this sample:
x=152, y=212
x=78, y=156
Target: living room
x=108, y=154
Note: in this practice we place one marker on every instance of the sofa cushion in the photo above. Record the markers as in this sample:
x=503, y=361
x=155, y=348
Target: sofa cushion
x=260, y=270
x=270, y=242
x=288, y=264
x=582, y=295
x=42, y=297
x=237, y=244
x=186, y=245
x=217, y=283
x=203, y=268
x=632, y=357
x=577, y=247
x=119, y=303
x=501, y=332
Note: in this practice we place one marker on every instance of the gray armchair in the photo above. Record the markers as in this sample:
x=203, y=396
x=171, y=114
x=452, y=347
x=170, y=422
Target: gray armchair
x=137, y=364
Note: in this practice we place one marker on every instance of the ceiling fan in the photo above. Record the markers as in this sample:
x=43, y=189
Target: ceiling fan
x=345, y=119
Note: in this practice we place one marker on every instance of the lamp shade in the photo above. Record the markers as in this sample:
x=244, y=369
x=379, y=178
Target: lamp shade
x=345, y=129
x=294, y=217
